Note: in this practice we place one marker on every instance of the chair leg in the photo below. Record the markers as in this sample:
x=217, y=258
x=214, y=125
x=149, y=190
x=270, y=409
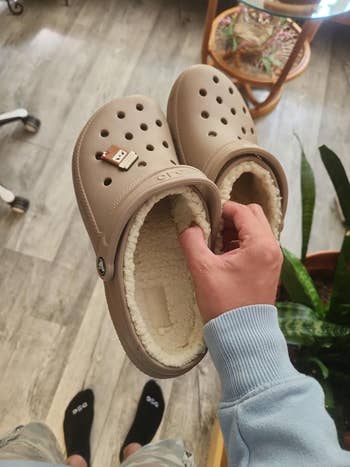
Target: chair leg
x=15, y=6
x=313, y=30
x=217, y=453
x=211, y=12
x=31, y=123
x=6, y=195
x=18, y=204
x=8, y=117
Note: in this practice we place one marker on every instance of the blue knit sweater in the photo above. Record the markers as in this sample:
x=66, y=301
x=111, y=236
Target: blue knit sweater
x=270, y=415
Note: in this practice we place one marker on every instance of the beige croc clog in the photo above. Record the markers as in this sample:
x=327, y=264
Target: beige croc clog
x=134, y=198
x=213, y=131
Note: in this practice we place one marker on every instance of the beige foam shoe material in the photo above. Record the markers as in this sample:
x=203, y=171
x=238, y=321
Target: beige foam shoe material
x=134, y=198
x=212, y=130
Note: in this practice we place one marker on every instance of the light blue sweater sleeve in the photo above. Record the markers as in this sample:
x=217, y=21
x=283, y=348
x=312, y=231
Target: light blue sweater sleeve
x=270, y=414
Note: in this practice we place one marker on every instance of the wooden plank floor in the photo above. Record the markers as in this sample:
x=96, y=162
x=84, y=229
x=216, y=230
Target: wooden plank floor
x=55, y=333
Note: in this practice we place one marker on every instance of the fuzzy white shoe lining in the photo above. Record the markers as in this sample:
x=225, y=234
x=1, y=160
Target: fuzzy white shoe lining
x=247, y=183
x=158, y=286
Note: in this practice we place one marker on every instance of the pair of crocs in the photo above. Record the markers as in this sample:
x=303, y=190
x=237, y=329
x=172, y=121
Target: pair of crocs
x=136, y=192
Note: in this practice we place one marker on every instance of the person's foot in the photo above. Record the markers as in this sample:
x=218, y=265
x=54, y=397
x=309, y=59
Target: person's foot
x=148, y=416
x=77, y=424
x=130, y=449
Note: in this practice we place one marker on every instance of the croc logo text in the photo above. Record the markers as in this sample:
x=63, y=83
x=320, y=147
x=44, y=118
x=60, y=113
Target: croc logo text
x=167, y=175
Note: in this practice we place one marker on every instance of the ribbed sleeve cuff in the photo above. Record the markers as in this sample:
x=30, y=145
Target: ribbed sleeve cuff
x=248, y=349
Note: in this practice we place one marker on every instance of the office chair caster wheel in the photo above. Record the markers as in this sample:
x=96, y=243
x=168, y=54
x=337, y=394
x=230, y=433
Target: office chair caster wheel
x=19, y=205
x=15, y=6
x=31, y=124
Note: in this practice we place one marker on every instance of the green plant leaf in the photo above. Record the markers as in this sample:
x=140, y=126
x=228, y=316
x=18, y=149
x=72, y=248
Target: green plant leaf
x=308, y=193
x=294, y=332
x=329, y=396
x=339, y=306
x=298, y=283
x=267, y=65
x=339, y=179
x=275, y=61
x=291, y=316
x=234, y=43
x=308, y=332
x=322, y=367
x=291, y=310
x=334, y=407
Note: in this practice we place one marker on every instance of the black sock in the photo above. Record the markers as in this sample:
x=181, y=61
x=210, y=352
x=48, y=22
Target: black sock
x=148, y=416
x=77, y=424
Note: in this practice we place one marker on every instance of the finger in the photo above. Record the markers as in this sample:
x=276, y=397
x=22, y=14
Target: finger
x=244, y=220
x=194, y=247
x=259, y=213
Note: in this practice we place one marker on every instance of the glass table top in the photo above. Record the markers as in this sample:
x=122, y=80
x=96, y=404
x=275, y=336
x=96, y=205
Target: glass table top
x=303, y=9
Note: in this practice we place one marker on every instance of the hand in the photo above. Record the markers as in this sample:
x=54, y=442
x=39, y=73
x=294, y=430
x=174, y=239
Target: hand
x=245, y=275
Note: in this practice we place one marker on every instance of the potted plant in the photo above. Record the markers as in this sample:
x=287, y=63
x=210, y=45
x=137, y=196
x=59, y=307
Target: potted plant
x=255, y=40
x=314, y=300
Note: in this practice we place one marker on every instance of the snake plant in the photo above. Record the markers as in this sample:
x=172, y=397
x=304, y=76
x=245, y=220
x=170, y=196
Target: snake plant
x=317, y=328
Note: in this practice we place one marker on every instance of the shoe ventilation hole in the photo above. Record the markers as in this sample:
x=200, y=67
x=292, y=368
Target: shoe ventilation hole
x=212, y=133
x=165, y=144
x=215, y=79
x=219, y=100
x=203, y=92
x=205, y=114
x=244, y=131
x=139, y=106
x=121, y=114
x=142, y=164
x=230, y=90
x=244, y=110
x=107, y=181
x=239, y=137
x=173, y=162
x=104, y=133
x=150, y=147
x=98, y=155
x=224, y=121
x=143, y=126
x=233, y=111
x=129, y=135
x=252, y=131
x=159, y=123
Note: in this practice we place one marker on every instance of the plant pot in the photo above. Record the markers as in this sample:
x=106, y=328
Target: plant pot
x=322, y=263
x=321, y=267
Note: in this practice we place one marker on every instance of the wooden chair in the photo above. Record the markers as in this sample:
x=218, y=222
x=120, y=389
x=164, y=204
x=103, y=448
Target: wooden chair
x=217, y=454
x=31, y=124
x=295, y=65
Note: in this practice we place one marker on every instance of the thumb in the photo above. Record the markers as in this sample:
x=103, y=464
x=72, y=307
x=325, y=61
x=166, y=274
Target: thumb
x=194, y=247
